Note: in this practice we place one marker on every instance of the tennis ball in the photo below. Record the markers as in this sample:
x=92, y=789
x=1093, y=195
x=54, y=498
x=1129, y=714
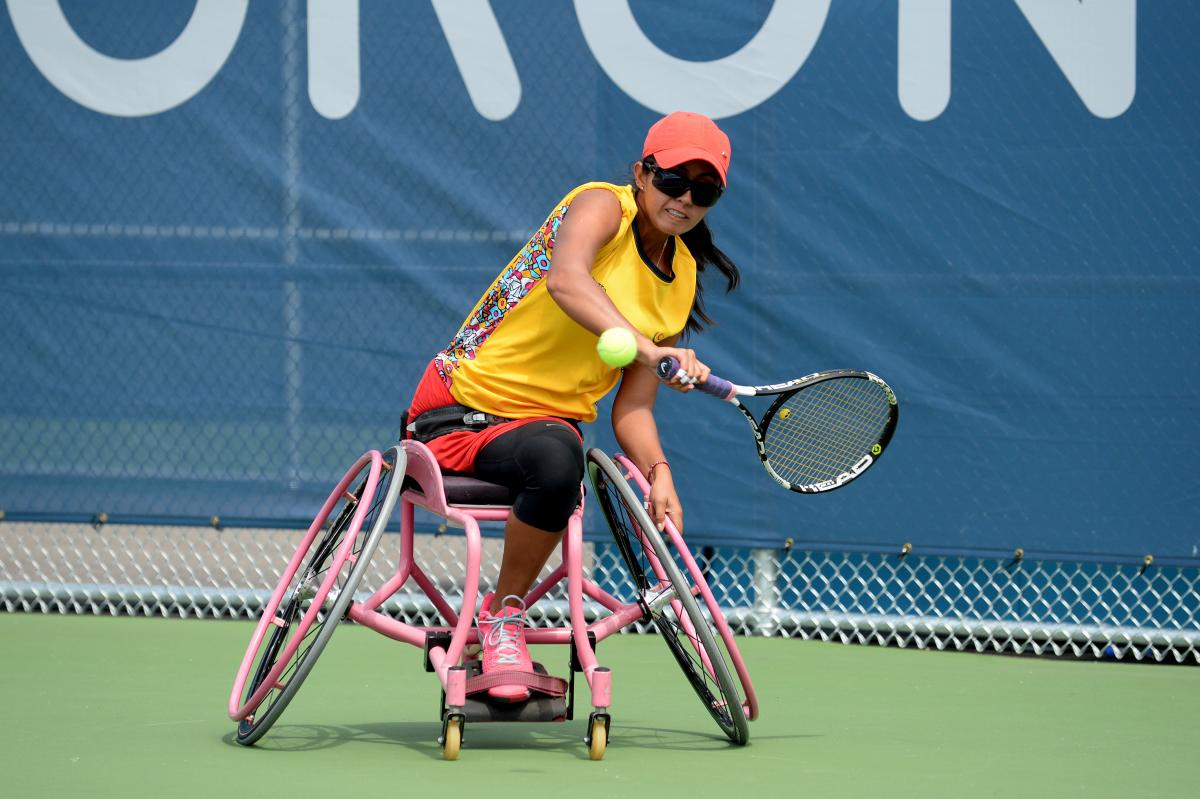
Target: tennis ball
x=617, y=346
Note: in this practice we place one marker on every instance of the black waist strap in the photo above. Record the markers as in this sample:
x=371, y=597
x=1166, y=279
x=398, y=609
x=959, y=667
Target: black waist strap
x=456, y=418
x=451, y=419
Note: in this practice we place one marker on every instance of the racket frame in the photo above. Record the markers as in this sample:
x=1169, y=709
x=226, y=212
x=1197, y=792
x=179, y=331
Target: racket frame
x=785, y=391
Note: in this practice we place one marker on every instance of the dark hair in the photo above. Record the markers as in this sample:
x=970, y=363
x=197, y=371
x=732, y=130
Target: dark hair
x=699, y=242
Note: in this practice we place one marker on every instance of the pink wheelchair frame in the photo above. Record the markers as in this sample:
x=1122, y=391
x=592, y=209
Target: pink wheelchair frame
x=412, y=474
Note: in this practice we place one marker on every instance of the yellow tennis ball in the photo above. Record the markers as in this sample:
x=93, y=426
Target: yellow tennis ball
x=617, y=346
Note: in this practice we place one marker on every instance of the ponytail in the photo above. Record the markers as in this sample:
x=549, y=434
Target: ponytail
x=700, y=243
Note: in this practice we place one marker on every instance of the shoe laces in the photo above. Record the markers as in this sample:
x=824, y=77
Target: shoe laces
x=504, y=636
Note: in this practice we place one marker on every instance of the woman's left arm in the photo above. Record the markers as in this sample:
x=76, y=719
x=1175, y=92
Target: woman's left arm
x=637, y=434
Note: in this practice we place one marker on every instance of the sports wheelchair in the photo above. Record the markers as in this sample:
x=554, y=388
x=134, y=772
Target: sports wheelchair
x=660, y=584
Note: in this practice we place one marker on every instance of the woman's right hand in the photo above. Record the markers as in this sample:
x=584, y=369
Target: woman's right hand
x=664, y=501
x=649, y=355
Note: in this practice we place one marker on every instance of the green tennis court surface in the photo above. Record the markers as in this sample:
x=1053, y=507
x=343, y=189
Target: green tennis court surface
x=99, y=707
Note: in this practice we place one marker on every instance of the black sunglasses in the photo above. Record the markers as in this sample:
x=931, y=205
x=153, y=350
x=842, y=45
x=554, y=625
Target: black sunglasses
x=673, y=184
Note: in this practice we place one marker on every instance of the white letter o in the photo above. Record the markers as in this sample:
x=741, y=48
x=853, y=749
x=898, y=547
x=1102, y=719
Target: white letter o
x=721, y=88
x=126, y=87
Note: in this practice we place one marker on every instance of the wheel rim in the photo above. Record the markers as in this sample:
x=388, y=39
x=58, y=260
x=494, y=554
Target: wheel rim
x=316, y=570
x=700, y=656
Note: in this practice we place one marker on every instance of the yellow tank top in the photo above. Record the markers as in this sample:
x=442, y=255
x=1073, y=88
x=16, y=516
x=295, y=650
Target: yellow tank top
x=519, y=355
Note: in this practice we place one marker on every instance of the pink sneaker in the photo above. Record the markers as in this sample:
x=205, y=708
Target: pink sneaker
x=504, y=648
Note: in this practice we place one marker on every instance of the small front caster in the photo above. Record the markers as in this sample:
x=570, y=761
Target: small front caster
x=451, y=739
x=597, y=739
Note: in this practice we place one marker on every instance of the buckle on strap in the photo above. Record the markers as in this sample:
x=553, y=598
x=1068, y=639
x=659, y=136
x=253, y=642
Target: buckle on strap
x=450, y=419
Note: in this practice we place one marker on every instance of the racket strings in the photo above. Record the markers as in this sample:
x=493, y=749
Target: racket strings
x=822, y=431
x=833, y=430
x=826, y=434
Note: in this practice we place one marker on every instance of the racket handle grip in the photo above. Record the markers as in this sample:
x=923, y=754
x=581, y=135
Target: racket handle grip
x=722, y=389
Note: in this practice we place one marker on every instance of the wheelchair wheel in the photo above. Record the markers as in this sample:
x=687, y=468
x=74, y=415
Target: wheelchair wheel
x=668, y=598
x=315, y=592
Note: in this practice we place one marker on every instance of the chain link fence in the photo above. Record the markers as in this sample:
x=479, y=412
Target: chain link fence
x=1083, y=610
x=208, y=310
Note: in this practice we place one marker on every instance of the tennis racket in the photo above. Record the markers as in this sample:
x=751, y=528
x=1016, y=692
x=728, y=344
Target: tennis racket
x=820, y=432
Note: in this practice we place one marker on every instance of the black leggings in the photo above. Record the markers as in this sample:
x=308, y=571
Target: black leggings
x=543, y=463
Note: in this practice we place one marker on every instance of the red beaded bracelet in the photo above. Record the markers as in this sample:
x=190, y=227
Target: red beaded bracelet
x=650, y=471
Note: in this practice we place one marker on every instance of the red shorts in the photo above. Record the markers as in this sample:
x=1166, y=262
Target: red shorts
x=456, y=452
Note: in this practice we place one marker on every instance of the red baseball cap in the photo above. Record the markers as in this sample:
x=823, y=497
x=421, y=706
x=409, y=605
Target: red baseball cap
x=683, y=136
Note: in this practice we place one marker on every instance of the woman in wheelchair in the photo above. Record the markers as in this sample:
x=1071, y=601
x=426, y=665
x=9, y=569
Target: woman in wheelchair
x=502, y=402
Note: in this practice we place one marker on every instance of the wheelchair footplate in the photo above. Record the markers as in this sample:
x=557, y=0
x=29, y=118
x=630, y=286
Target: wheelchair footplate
x=549, y=697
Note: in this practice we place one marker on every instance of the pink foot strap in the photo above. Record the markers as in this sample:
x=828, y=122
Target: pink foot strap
x=542, y=683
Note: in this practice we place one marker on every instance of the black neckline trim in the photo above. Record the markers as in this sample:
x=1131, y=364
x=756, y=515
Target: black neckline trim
x=653, y=267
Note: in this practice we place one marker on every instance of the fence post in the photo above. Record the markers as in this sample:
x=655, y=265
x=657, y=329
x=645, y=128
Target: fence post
x=766, y=591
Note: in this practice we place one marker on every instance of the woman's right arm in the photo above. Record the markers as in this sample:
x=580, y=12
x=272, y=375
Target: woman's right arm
x=594, y=219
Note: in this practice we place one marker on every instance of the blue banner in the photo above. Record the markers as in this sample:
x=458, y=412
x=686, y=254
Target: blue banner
x=233, y=233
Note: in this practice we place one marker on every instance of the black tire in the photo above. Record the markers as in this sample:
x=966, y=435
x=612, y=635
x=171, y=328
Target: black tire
x=322, y=564
x=626, y=517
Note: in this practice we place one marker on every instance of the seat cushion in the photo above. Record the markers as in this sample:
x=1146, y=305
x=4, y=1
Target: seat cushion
x=463, y=490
